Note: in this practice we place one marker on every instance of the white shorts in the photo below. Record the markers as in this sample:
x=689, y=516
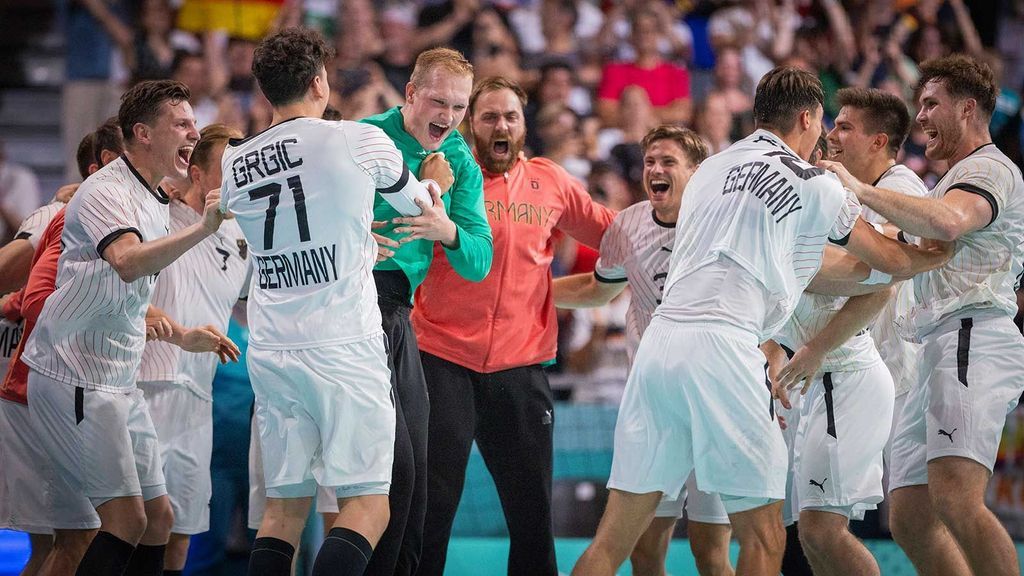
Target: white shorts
x=25, y=479
x=701, y=506
x=844, y=426
x=897, y=410
x=970, y=379
x=791, y=507
x=101, y=444
x=326, y=498
x=708, y=410
x=184, y=426
x=325, y=417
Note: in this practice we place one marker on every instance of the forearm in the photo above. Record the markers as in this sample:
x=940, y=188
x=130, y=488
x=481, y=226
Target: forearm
x=924, y=217
x=855, y=315
x=584, y=291
x=842, y=288
x=472, y=255
x=147, y=258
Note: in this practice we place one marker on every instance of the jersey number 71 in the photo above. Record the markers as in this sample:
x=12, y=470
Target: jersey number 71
x=273, y=191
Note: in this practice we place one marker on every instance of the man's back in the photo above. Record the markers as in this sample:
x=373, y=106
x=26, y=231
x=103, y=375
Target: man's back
x=752, y=226
x=302, y=192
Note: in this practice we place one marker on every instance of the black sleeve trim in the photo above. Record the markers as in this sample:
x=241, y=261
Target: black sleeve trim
x=901, y=237
x=842, y=241
x=980, y=192
x=109, y=238
x=23, y=236
x=402, y=181
x=606, y=280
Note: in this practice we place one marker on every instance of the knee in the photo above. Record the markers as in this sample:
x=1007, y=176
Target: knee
x=815, y=538
x=648, y=558
x=159, y=516
x=713, y=559
x=956, y=510
x=770, y=537
x=73, y=543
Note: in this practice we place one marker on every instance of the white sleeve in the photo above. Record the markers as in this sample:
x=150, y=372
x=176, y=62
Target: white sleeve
x=32, y=228
x=376, y=154
x=611, y=265
x=845, y=221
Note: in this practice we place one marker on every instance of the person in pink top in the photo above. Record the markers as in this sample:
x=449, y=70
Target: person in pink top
x=484, y=344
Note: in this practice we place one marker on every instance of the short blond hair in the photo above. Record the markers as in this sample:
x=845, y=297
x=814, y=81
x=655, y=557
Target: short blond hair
x=209, y=138
x=445, y=58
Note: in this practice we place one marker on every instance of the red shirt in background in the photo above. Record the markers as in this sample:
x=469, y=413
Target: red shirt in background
x=28, y=302
x=664, y=84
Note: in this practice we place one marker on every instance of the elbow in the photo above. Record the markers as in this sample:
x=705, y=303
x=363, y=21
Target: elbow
x=947, y=229
x=126, y=271
x=479, y=274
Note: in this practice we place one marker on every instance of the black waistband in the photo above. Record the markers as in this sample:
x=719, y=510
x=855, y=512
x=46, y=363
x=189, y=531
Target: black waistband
x=392, y=288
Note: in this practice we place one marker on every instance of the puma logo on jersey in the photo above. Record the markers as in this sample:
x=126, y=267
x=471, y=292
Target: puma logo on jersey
x=666, y=249
x=820, y=485
x=547, y=419
x=950, y=434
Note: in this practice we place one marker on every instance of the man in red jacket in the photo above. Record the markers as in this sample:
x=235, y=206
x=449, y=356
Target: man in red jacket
x=484, y=344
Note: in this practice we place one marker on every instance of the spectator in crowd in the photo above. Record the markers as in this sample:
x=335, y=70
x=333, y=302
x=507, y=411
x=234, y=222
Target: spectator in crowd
x=666, y=84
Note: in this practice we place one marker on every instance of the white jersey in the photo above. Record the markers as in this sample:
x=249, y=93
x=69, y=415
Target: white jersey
x=636, y=248
x=813, y=312
x=91, y=331
x=899, y=355
x=302, y=192
x=752, y=226
x=986, y=263
x=35, y=224
x=198, y=289
x=31, y=229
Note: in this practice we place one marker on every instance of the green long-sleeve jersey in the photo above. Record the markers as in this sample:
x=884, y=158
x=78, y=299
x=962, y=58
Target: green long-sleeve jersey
x=464, y=204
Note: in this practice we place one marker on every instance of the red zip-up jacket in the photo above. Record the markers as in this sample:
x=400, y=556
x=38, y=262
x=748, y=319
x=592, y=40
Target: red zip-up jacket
x=508, y=319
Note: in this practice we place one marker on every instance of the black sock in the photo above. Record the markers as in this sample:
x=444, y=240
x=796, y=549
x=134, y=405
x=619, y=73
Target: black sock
x=107, y=555
x=173, y=572
x=794, y=563
x=344, y=553
x=271, y=557
x=147, y=561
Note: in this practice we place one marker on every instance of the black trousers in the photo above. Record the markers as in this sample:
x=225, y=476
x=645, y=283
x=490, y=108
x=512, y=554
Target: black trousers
x=398, y=552
x=510, y=415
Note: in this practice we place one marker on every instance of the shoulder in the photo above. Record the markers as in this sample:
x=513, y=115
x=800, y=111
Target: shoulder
x=382, y=118
x=903, y=180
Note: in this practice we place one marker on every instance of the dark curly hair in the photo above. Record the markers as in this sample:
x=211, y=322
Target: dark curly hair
x=963, y=77
x=141, y=103
x=285, y=63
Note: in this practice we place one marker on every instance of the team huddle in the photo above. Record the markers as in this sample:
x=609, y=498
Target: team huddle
x=803, y=309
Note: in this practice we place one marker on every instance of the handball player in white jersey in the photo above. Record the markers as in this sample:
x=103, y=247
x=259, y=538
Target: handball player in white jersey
x=635, y=251
x=84, y=353
x=970, y=376
x=302, y=192
x=752, y=226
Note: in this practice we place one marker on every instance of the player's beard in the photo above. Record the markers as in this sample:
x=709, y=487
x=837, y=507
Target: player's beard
x=500, y=165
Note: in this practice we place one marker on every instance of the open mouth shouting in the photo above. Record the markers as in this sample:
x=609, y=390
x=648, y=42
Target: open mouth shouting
x=933, y=137
x=183, y=157
x=500, y=148
x=659, y=188
x=438, y=131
